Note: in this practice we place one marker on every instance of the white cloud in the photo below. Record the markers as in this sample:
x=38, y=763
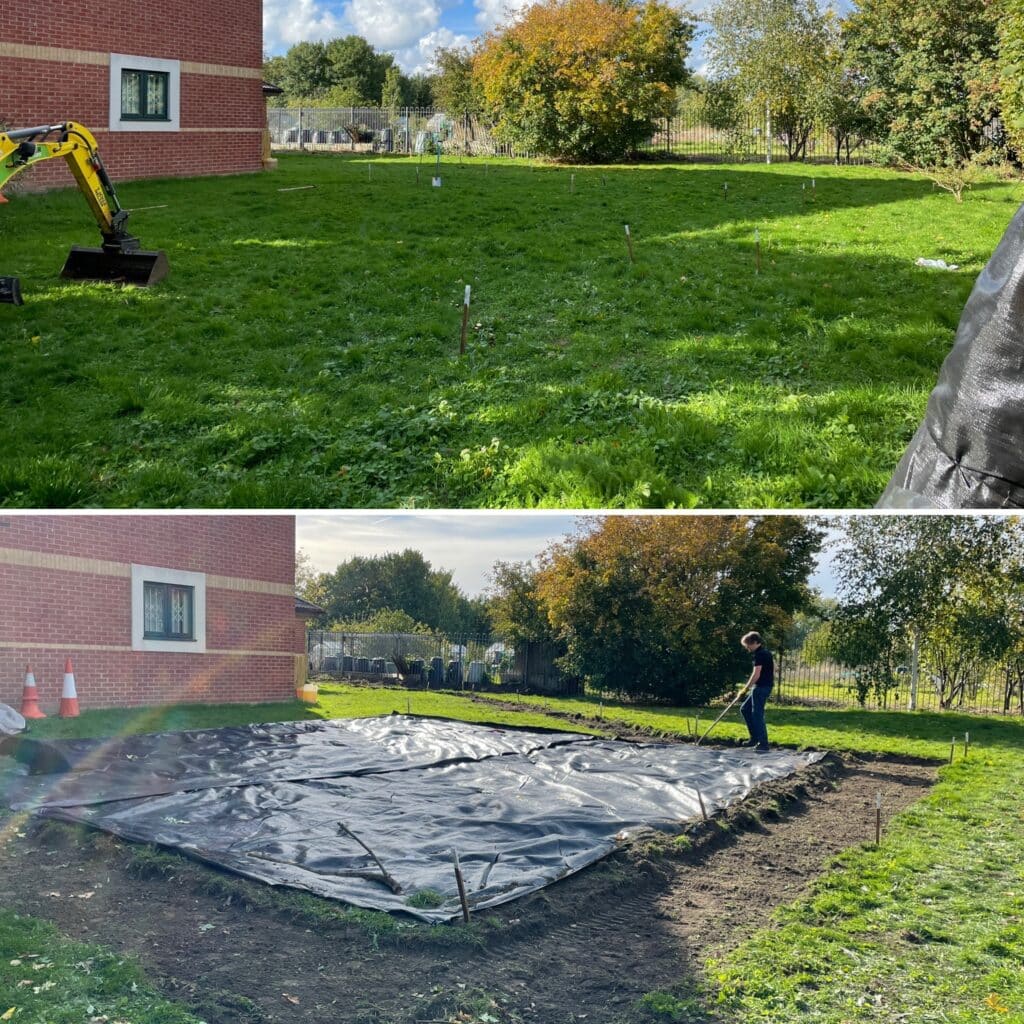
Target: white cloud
x=419, y=58
x=491, y=13
x=286, y=22
x=393, y=24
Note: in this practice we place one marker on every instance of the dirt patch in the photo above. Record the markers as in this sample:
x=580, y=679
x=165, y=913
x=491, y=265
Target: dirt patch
x=583, y=950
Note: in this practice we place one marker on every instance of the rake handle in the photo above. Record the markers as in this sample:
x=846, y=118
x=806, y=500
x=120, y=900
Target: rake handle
x=711, y=727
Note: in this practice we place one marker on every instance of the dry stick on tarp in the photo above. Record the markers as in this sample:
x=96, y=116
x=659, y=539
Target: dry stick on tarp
x=703, y=808
x=386, y=877
x=461, y=884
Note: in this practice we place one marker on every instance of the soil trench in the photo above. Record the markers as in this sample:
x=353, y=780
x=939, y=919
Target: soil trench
x=582, y=950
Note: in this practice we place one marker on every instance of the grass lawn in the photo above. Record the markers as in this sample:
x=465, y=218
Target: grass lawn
x=929, y=927
x=304, y=350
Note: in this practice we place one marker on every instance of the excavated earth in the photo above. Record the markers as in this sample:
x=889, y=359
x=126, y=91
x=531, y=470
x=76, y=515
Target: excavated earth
x=585, y=949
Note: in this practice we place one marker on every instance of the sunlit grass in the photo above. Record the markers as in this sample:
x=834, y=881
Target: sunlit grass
x=304, y=350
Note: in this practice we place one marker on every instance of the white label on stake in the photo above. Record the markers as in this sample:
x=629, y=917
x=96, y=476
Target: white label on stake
x=757, y=235
x=469, y=289
x=627, y=230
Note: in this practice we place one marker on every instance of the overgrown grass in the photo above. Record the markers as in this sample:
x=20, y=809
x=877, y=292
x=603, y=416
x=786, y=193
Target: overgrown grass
x=48, y=979
x=303, y=351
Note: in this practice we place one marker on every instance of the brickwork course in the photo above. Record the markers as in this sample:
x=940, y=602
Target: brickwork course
x=55, y=66
x=66, y=591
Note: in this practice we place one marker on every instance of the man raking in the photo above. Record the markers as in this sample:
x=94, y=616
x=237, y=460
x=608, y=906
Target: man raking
x=760, y=683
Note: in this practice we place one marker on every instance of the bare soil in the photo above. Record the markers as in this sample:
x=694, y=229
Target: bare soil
x=585, y=949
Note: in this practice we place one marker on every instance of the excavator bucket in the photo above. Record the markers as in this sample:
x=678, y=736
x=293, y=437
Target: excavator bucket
x=10, y=291
x=116, y=267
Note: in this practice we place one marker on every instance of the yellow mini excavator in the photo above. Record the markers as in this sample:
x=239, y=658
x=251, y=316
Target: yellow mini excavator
x=119, y=259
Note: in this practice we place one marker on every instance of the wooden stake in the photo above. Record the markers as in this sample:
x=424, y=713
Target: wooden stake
x=465, y=321
x=629, y=245
x=462, y=886
x=967, y=743
x=757, y=248
x=878, y=818
x=952, y=749
x=725, y=190
x=703, y=809
x=408, y=705
x=600, y=709
x=572, y=184
x=814, y=190
x=369, y=172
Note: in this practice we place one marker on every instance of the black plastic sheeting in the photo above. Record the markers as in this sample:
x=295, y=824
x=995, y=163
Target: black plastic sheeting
x=522, y=808
x=969, y=450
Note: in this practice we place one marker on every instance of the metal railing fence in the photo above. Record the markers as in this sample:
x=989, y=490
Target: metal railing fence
x=421, y=131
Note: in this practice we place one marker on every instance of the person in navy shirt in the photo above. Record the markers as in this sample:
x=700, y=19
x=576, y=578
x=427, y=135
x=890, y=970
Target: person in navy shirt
x=760, y=683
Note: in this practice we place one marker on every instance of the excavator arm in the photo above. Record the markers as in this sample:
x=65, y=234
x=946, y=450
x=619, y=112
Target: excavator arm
x=120, y=259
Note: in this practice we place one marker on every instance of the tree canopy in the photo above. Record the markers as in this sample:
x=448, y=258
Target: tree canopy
x=400, y=582
x=931, y=72
x=344, y=72
x=946, y=589
x=656, y=606
x=583, y=79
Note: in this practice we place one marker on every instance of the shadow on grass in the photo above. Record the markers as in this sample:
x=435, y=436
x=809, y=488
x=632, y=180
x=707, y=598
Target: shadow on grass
x=307, y=358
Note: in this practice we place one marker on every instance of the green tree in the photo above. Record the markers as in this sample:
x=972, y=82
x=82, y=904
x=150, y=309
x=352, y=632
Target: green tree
x=419, y=90
x=932, y=75
x=357, y=67
x=902, y=578
x=776, y=53
x=656, y=606
x=305, y=71
x=517, y=609
x=391, y=93
x=1011, y=74
x=399, y=582
x=454, y=88
x=584, y=79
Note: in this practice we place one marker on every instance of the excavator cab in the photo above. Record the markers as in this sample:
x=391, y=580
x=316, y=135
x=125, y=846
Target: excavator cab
x=121, y=258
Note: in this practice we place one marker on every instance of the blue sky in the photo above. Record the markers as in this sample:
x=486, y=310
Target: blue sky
x=466, y=543
x=410, y=29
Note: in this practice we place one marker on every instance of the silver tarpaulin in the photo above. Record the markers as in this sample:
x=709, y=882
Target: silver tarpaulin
x=969, y=451
x=522, y=808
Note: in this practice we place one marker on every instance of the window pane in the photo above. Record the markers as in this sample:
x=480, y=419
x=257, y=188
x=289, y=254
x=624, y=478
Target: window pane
x=156, y=95
x=153, y=608
x=131, y=92
x=181, y=611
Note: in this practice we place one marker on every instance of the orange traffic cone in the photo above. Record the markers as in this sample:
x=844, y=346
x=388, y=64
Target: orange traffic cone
x=4, y=199
x=30, y=697
x=69, y=695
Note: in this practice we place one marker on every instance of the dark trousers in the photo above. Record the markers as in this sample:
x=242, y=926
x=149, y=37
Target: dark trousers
x=753, y=714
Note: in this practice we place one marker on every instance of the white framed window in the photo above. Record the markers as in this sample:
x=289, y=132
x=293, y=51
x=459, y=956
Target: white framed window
x=145, y=94
x=168, y=610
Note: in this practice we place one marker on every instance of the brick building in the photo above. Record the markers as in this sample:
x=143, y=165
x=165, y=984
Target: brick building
x=153, y=609
x=168, y=89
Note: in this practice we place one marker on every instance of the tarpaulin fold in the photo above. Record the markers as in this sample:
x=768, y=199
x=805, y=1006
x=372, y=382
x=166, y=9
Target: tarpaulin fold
x=969, y=450
x=537, y=807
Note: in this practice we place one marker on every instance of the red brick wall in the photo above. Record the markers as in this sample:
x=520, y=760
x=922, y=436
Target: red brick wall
x=223, y=32
x=253, y=547
x=69, y=612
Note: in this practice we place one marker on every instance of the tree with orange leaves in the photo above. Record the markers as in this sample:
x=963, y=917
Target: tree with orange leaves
x=584, y=80
x=655, y=605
